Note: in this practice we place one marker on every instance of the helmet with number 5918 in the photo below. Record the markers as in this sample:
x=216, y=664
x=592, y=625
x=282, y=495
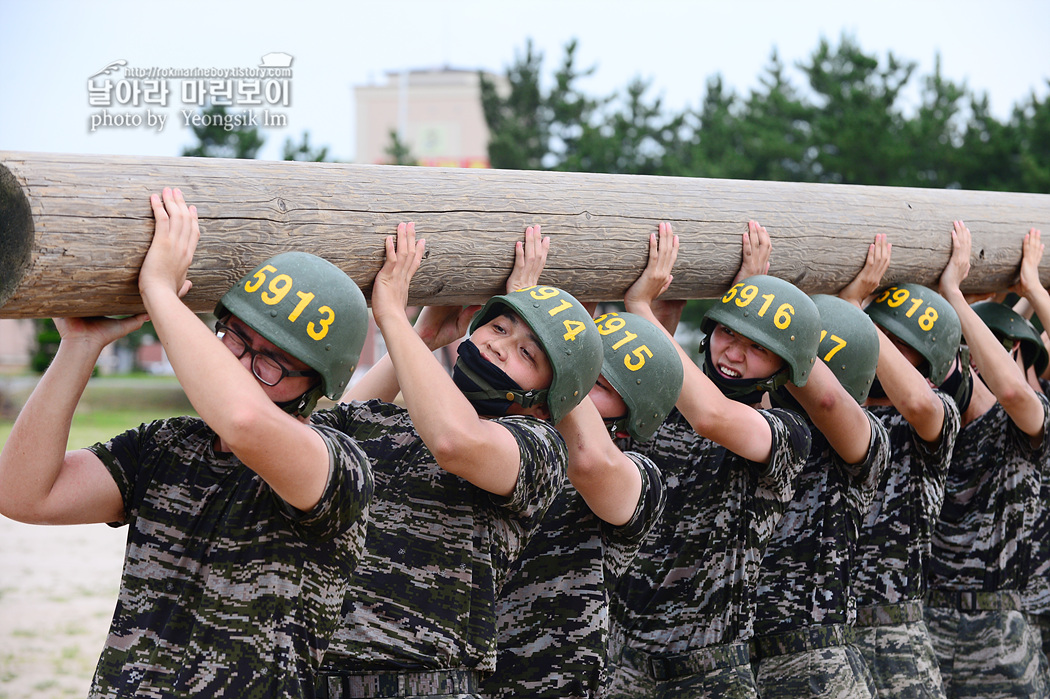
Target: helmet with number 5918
x=922, y=319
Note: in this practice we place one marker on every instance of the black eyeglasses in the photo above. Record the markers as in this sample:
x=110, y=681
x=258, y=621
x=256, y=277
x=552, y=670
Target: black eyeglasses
x=266, y=369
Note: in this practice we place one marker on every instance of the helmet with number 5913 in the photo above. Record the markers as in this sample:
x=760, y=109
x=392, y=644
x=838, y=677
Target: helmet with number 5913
x=567, y=334
x=309, y=308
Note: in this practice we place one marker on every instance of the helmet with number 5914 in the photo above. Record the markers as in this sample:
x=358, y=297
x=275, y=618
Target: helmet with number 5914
x=922, y=319
x=309, y=308
x=777, y=315
x=567, y=334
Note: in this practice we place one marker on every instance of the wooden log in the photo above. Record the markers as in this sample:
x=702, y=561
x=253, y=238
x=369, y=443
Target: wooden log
x=74, y=228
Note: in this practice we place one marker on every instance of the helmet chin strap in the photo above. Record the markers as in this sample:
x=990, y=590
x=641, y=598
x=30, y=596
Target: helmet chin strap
x=303, y=405
x=747, y=391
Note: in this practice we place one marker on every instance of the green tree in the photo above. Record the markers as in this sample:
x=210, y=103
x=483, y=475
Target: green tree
x=935, y=135
x=398, y=151
x=1032, y=122
x=215, y=140
x=531, y=129
x=715, y=148
x=857, y=126
x=990, y=150
x=632, y=138
x=303, y=152
x=776, y=129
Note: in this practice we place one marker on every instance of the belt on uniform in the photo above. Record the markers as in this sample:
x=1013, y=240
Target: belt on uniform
x=974, y=600
x=800, y=640
x=890, y=614
x=395, y=683
x=661, y=666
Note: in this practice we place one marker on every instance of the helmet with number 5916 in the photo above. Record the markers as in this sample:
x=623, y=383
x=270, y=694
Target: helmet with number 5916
x=777, y=315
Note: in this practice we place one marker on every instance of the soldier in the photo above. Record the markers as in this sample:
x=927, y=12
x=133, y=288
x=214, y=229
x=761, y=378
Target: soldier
x=1035, y=359
x=916, y=328
x=244, y=525
x=682, y=615
x=553, y=611
x=806, y=609
x=980, y=545
x=458, y=495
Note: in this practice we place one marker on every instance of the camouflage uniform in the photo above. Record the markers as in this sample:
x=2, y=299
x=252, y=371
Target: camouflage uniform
x=226, y=590
x=1036, y=596
x=420, y=611
x=893, y=554
x=553, y=612
x=981, y=559
x=806, y=609
x=682, y=614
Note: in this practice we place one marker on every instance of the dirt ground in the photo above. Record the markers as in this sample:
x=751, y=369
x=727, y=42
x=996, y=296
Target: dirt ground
x=58, y=587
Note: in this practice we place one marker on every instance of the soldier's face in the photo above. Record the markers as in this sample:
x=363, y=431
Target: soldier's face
x=509, y=343
x=289, y=387
x=608, y=402
x=737, y=357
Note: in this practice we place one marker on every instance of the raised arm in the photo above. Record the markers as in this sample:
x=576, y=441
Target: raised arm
x=737, y=427
x=40, y=482
x=1030, y=288
x=998, y=369
x=607, y=480
x=478, y=450
x=289, y=455
x=906, y=388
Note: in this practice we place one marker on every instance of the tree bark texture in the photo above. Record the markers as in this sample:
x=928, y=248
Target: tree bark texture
x=75, y=228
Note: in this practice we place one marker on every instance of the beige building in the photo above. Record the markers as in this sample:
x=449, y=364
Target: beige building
x=436, y=113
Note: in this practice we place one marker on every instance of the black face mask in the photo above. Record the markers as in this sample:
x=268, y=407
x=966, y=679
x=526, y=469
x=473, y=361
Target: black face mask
x=747, y=391
x=959, y=383
x=876, y=391
x=488, y=388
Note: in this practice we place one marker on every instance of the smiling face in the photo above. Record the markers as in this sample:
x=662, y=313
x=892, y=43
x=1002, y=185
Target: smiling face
x=509, y=343
x=737, y=357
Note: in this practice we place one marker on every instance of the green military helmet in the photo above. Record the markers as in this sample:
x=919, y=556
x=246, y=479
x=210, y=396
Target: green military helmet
x=777, y=315
x=643, y=365
x=849, y=344
x=1007, y=323
x=567, y=334
x=309, y=308
x=922, y=319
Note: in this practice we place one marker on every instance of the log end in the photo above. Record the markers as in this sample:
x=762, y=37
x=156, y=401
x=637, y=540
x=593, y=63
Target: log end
x=16, y=234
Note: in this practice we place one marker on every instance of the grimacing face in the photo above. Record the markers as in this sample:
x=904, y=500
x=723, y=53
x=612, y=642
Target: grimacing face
x=737, y=357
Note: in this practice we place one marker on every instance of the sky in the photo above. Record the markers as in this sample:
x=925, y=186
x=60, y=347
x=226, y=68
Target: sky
x=51, y=49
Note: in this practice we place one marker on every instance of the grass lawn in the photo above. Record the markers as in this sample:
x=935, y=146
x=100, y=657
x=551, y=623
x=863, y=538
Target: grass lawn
x=58, y=585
